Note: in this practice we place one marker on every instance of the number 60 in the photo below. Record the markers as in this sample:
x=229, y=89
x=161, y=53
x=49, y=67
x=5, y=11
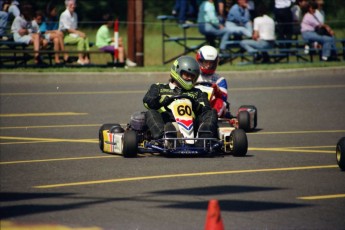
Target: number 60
x=184, y=109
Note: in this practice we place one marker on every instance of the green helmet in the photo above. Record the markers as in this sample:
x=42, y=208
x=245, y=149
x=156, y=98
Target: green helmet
x=185, y=64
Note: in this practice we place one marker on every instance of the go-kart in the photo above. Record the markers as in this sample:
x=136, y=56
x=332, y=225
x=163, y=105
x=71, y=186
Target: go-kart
x=136, y=138
x=340, y=153
x=246, y=117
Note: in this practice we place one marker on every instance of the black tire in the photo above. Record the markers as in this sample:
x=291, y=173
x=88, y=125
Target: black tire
x=340, y=153
x=100, y=134
x=255, y=114
x=238, y=143
x=244, y=120
x=130, y=144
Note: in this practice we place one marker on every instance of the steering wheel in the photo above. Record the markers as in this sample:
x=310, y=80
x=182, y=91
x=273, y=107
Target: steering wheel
x=169, y=100
x=204, y=83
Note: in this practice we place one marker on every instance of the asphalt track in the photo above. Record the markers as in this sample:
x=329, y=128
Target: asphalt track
x=53, y=173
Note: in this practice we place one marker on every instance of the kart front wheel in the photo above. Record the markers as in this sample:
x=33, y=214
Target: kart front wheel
x=340, y=153
x=238, y=143
x=130, y=144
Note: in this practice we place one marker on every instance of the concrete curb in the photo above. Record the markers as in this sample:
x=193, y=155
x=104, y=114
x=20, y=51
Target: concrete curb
x=329, y=71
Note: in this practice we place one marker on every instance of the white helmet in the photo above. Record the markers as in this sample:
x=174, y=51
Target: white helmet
x=209, y=54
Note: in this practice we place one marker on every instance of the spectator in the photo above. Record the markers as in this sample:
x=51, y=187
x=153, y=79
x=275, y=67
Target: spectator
x=24, y=32
x=319, y=13
x=183, y=75
x=54, y=36
x=3, y=19
x=283, y=17
x=51, y=19
x=8, y=9
x=222, y=8
x=309, y=25
x=238, y=20
x=184, y=9
x=208, y=59
x=263, y=36
x=14, y=8
x=209, y=24
x=104, y=41
x=298, y=10
x=69, y=25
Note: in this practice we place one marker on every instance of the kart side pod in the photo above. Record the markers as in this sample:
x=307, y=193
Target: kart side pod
x=111, y=138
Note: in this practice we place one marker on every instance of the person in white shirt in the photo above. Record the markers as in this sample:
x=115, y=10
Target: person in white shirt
x=263, y=36
x=68, y=23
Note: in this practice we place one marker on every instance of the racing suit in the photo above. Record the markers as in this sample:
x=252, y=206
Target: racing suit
x=157, y=116
x=220, y=92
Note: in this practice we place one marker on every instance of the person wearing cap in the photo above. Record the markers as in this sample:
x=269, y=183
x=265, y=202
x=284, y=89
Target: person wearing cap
x=183, y=75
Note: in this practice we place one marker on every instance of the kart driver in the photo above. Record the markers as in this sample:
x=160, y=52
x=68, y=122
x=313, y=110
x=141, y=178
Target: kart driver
x=183, y=75
x=207, y=58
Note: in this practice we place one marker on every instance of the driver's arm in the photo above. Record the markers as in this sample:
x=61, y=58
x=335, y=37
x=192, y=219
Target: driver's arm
x=203, y=103
x=151, y=98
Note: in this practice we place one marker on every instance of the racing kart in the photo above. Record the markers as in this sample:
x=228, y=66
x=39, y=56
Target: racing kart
x=136, y=138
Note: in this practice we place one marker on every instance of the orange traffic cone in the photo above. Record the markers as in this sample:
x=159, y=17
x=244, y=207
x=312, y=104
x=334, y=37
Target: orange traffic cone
x=214, y=219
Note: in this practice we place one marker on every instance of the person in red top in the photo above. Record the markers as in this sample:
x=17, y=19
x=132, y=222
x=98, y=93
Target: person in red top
x=208, y=59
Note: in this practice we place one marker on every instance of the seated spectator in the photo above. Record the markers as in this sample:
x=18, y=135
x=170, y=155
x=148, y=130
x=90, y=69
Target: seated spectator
x=309, y=25
x=3, y=20
x=320, y=13
x=14, y=8
x=298, y=10
x=263, y=36
x=184, y=9
x=54, y=36
x=222, y=8
x=24, y=32
x=51, y=17
x=238, y=20
x=8, y=9
x=209, y=24
x=69, y=25
x=104, y=41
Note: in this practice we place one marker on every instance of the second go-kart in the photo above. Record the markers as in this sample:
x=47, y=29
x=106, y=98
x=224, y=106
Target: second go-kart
x=247, y=115
x=135, y=137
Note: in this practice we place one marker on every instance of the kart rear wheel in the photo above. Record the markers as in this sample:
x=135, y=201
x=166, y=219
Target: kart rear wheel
x=255, y=114
x=130, y=144
x=238, y=143
x=100, y=133
x=244, y=120
x=340, y=153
